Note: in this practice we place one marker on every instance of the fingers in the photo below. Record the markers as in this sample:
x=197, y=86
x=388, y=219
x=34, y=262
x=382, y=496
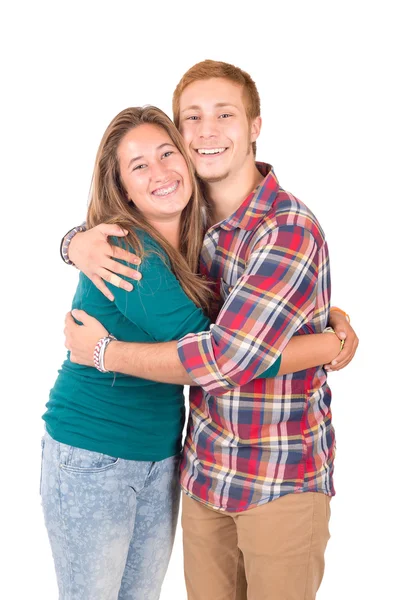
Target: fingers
x=101, y=286
x=67, y=322
x=344, y=330
x=81, y=315
x=122, y=254
x=115, y=280
x=69, y=319
x=120, y=269
x=345, y=356
x=107, y=230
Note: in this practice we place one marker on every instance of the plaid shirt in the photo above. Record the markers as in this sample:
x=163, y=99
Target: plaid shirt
x=252, y=440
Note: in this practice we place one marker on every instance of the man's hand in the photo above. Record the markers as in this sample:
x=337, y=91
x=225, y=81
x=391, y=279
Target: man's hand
x=93, y=255
x=344, y=331
x=82, y=339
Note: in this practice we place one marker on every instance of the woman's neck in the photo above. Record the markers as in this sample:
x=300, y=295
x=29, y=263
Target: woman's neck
x=170, y=230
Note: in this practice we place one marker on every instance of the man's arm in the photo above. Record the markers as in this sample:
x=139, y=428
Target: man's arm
x=92, y=254
x=275, y=296
x=258, y=319
x=157, y=362
x=160, y=361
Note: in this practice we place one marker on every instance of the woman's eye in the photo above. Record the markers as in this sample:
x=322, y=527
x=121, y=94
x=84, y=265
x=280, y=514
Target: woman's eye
x=225, y=115
x=139, y=167
x=193, y=118
x=166, y=154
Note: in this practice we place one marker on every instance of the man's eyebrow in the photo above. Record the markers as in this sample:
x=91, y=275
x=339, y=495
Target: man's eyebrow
x=218, y=105
x=158, y=148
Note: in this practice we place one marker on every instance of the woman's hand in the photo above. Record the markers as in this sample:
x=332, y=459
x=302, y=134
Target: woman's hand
x=92, y=254
x=344, y=331
x=82, y=339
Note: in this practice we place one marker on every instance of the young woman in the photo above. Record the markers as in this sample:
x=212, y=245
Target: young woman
x=110, y=486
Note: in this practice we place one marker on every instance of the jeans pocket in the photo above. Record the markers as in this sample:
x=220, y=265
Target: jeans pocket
x=41, y=466
x=79, y=460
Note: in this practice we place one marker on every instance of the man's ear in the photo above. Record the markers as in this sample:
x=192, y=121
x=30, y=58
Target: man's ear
x=255, y=129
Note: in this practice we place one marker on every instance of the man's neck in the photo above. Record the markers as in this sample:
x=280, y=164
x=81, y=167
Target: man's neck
x=227, y=195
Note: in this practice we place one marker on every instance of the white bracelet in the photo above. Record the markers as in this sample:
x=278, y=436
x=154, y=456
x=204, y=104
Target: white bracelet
x=98, y=354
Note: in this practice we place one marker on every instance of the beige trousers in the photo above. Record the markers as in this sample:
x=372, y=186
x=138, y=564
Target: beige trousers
x=281, y=544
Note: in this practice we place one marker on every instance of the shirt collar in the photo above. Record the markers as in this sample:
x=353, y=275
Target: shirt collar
x=257, y=204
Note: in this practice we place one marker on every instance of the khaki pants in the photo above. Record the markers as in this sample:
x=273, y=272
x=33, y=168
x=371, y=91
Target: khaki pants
x=282, y=544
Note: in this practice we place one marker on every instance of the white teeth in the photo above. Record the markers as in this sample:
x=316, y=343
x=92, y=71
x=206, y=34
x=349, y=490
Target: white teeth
x=210, y=150
x=166, y=191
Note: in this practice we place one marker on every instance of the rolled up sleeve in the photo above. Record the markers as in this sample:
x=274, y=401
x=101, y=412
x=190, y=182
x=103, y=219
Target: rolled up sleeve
x=273, y=298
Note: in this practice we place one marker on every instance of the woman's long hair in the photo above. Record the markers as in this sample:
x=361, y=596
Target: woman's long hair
x=108, y=202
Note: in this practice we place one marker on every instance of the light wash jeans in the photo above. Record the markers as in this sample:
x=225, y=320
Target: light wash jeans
x=111, y=522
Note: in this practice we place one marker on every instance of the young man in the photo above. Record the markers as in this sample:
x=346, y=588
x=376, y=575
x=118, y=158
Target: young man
x=258, y=458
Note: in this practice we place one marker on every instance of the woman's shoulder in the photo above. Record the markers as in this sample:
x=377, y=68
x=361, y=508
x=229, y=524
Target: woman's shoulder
x=147, y=241
x=154, y=253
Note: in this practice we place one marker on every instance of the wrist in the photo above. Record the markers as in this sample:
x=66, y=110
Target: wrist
x=99, y=352
x=110, y=356
x=65, y=249
x=335, y=342
x=73, y=251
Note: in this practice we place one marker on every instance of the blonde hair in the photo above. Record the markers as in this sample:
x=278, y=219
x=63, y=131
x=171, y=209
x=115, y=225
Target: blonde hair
x=208, y=69
x=108, y=202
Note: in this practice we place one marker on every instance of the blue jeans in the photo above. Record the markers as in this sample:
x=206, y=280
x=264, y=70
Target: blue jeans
x=111, y=522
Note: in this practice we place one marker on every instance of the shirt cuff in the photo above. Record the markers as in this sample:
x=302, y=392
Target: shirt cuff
x=196, y=355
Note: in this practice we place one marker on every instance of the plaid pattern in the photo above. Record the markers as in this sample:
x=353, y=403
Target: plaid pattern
x=252, y=440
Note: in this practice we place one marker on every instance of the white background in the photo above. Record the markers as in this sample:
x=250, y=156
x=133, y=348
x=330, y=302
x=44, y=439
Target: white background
x=327, y=75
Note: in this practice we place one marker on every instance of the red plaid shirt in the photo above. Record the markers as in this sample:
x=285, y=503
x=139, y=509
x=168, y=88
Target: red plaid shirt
x=252, y=440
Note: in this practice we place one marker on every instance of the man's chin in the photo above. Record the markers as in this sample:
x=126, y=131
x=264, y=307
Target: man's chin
x=211, y=175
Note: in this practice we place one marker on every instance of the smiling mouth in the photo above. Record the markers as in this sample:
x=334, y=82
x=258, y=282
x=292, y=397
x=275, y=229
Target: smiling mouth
x=166, y=191
x=210, y=151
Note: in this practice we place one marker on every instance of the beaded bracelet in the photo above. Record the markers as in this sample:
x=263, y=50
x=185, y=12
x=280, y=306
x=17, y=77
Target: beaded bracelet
x=99, y=350
x=65, y=242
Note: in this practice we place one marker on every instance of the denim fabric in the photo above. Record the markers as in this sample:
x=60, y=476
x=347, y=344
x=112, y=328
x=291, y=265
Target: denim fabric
x=111, y=522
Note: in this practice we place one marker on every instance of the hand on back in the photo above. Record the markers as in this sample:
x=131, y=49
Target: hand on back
x=91, y=253
x=344, y=331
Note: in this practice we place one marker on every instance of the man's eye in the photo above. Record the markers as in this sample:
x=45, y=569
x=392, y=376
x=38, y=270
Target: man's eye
x=225, y=116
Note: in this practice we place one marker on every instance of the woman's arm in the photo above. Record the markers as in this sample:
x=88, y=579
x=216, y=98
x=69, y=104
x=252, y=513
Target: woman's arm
x=309, y=350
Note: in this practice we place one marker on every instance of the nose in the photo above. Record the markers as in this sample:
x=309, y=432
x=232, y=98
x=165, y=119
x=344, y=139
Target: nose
x=159, y=172
x=207, y=128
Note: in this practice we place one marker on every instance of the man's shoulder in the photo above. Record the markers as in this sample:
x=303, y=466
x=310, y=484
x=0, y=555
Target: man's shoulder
x=286, y=203
x=288, y=211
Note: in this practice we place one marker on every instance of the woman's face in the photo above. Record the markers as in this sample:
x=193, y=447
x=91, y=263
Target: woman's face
x=154, y=173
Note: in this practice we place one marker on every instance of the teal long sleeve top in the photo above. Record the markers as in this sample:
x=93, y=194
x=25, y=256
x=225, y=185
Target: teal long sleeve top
x=120, y=415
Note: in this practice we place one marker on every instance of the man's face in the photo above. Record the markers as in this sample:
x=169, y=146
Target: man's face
x=216, y=130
